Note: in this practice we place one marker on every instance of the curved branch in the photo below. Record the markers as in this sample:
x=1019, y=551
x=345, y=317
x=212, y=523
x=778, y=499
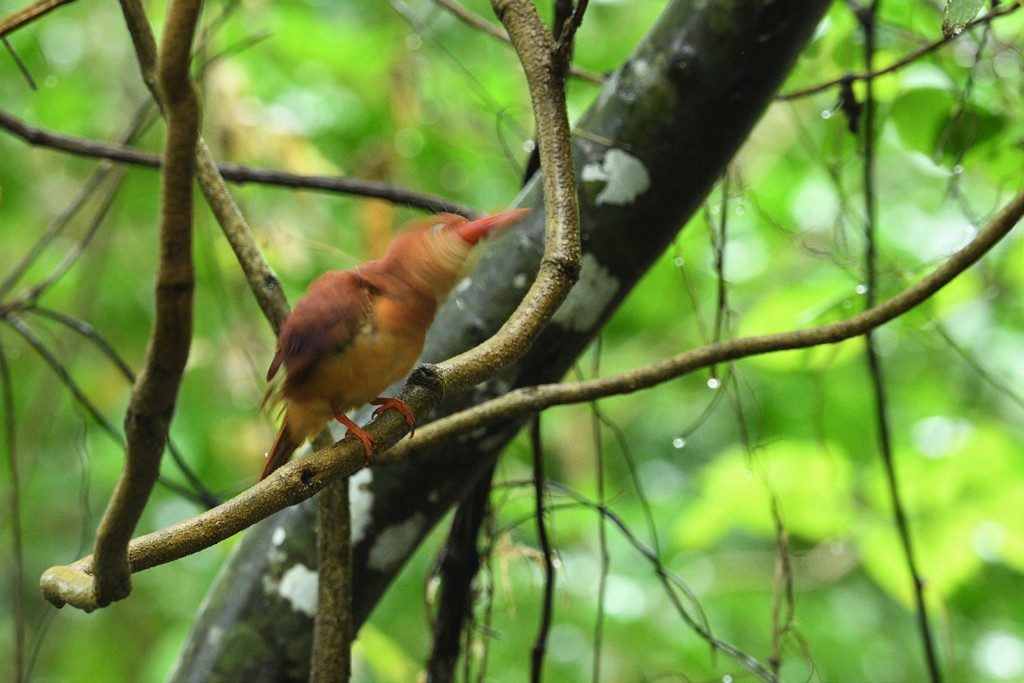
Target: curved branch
x=560, y=266
x=155, y=392
x=301, y=479
x=532, y=399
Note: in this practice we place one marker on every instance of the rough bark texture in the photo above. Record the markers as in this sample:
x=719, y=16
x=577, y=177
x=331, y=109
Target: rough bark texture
x=676, y=111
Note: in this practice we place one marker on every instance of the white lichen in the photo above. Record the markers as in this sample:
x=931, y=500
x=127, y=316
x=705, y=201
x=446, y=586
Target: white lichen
x=360, y=502
x=299, y=587
x=624, y=175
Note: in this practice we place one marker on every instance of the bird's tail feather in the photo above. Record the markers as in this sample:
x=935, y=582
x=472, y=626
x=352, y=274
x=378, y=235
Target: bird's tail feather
x=280, y=452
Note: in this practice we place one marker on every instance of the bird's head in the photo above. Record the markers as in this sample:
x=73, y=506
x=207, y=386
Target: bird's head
x=432, y=255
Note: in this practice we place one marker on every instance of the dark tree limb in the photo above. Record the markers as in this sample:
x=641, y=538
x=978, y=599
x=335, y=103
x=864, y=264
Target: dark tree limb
x=457, y=567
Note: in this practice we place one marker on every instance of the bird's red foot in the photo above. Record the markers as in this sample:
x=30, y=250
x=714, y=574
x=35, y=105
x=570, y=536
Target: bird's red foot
x=358, y=432
x=400, y=406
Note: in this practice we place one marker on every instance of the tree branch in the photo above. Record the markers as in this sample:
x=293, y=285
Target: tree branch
x=532, y=399
x=301, y=479
x=560, y=265
x=332, y=631
x=26, y=15
x=481, y=24
x=238, y=173
x=155, y=392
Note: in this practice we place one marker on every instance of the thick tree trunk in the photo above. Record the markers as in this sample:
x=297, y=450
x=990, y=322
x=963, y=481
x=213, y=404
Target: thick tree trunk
x=675, y=113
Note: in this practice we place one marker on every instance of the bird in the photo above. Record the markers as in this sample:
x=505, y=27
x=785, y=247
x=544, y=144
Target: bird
x=355, y=332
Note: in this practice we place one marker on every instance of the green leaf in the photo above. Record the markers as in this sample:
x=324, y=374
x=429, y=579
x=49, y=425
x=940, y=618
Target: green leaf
x=958, y=14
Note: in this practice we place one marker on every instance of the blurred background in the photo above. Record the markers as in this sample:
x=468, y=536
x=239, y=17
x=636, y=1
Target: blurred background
x=758, y=485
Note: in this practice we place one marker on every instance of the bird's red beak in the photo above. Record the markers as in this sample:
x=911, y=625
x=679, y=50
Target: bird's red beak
x=474, y=231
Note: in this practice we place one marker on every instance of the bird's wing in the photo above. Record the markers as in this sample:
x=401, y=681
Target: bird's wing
x=325, y=320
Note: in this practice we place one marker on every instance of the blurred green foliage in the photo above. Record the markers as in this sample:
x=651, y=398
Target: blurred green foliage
x=405, y=93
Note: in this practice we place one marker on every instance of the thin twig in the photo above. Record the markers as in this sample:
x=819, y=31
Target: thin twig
x=17, y=548
x=26, y=15
x=106, y=200
x=604, y=556
x=56, y=228
x=200, y=494
x=50, y=358
x=783, y=605
x=670, y=581
x=139, y=122
x=540, y=643
x=868, y=20
x=719, y=236
x=997, y=383
x=20, y=63
x=481, y=24
x=700, y=622
x=238, y=173
x=871, y=74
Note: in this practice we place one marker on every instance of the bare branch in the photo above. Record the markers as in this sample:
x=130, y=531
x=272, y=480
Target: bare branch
x=540, y=643
x=868, y=17
x=301, y=479
x=26, y=15
x=17, y=547
x=56, y=228
x=199, y=494
x=155, y=392
x=238, y=173
x=262, y=280
x=560, y=264
x=531, y=399
x=482, y=24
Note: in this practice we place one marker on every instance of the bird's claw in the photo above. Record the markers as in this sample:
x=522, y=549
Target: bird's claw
x=367, y=444
x=399, y=405
x=360, y=433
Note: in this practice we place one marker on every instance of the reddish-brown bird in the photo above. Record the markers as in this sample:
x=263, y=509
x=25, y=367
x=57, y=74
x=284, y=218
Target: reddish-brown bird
x=358, y=331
